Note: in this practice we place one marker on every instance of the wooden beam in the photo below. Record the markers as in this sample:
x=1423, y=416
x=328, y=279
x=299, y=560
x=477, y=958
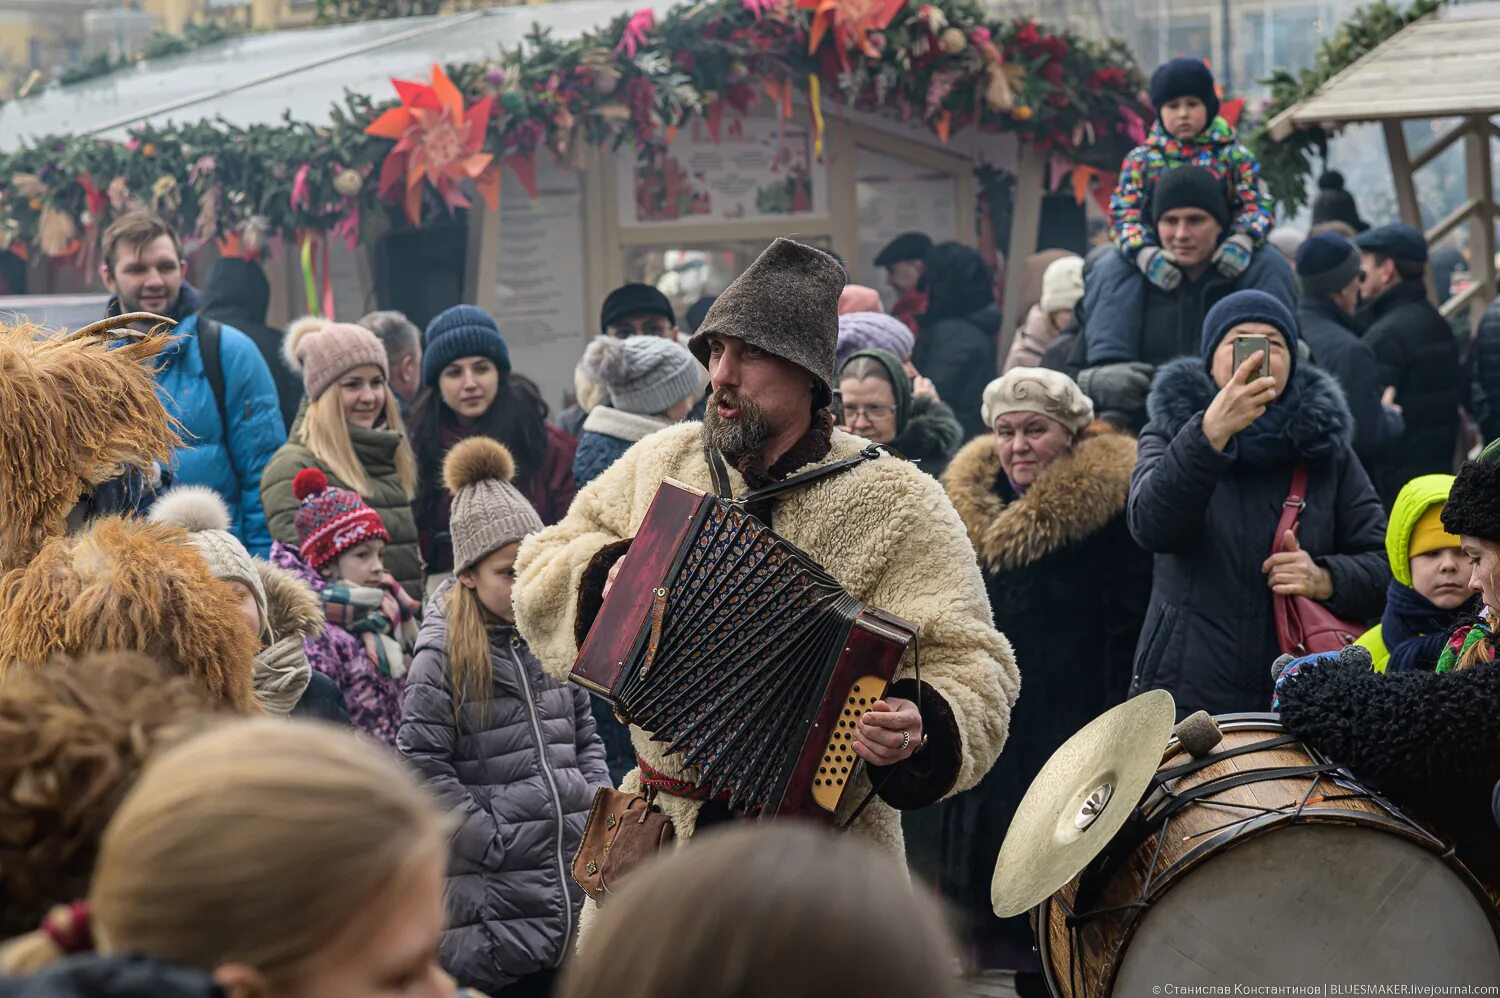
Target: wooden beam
x=1435, y=150
x=1401, y=174
x=1025, y=222
x=1451, y=221
x=1450, y=307
x=1481, y=182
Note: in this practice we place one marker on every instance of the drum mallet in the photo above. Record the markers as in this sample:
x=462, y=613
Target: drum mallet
x=1198, y=733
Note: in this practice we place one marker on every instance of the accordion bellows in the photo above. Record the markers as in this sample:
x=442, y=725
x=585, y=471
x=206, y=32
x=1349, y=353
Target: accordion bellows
x=737, y=650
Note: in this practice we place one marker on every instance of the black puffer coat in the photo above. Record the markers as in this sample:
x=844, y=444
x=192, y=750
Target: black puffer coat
x=520, y=774
x=1333, y=337
x=956, y=343
x=1431, y=741
x=1068, y=587
x=1210, y=518
x=1417, y=353
x=238, y=294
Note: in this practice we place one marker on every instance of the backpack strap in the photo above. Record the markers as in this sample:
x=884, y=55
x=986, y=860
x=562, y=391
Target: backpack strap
x=210, y=336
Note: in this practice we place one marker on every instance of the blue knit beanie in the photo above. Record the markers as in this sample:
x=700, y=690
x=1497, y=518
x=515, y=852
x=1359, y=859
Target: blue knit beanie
x=461, y=331
x=1184, y=77
x=1326, y=263
x=1248, y=306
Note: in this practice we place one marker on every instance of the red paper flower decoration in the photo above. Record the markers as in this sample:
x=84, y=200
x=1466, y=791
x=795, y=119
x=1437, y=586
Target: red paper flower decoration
x=436, y=141
x=851, y=22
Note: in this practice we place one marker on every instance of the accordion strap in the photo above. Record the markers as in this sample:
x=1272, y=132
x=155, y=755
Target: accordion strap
x=719, y=472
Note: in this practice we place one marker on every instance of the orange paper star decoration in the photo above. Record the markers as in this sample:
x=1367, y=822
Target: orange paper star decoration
x=438, y=141
x=851, y=22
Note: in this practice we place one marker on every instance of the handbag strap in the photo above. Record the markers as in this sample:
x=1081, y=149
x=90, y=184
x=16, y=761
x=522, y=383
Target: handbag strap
x=720, y=475
x=1292, y=506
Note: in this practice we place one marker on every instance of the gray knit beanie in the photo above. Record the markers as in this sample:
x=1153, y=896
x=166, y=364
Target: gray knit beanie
x=199, y=510
x=488, y=511
x=646, y=375
x=786, y=303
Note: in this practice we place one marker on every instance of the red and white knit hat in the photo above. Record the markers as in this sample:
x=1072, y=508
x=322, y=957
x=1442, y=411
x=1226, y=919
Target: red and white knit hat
x=332, y=520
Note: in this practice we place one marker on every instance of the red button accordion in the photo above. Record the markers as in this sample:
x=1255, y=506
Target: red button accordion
x=737, y=650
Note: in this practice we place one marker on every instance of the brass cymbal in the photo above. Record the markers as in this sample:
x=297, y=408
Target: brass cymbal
x=1079, y=800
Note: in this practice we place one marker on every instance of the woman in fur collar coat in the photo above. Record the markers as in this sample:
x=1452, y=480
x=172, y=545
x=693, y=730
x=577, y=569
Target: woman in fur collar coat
x=1043, y=500
x=1215, y=467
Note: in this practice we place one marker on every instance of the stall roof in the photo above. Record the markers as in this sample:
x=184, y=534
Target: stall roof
x=254, y=78
x=1445, y=65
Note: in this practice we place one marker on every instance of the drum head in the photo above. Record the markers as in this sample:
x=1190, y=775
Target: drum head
x=1314, y=904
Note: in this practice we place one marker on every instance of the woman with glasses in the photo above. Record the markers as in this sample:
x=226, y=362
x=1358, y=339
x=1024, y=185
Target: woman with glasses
x=879, y=405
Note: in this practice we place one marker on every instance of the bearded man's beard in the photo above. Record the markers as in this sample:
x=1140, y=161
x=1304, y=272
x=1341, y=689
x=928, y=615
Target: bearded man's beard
x=746, y=433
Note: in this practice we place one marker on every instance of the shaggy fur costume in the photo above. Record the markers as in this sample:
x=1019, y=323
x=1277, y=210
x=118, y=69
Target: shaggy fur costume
x=1397, y=731
x=884, y=530
x=75, y=413
x=130, y=585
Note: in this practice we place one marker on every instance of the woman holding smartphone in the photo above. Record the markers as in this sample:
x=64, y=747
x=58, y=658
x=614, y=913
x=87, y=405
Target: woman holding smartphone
x=1214, y=470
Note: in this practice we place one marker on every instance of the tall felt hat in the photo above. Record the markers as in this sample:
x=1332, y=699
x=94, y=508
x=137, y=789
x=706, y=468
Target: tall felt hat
x=331, y=520
x=787, y=304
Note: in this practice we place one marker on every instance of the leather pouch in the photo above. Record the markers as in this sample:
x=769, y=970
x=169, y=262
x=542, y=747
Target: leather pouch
x=623, y=831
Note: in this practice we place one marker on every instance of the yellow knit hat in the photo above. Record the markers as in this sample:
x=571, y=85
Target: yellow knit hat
x=1428, y=535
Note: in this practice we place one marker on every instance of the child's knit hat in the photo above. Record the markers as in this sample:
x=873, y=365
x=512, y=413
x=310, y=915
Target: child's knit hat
x=488, y=511
x=199, y=510
x=331, y=520
x=1184, y=77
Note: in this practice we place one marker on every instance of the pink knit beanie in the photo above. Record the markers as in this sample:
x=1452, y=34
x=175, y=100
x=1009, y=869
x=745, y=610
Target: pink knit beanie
x=323, y=352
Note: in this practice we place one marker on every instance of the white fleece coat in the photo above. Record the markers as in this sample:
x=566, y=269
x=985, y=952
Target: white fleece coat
x=886, y=531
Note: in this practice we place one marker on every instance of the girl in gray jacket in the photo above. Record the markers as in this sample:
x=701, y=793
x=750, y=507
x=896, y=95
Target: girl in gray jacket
x=510, y=751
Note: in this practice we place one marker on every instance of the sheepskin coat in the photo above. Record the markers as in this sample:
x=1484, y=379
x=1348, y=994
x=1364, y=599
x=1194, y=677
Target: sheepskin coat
x=1210, y=518
x=883, y=529
x=1068, y=586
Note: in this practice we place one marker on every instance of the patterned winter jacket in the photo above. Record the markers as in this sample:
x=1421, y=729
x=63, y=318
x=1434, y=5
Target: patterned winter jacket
x=1218, y=150
x=373, y=699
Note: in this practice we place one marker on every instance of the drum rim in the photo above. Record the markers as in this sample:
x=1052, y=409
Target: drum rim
x=1396, y=822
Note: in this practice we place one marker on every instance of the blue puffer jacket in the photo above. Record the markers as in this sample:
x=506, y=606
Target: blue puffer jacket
x=229, y=463
x=518, y=773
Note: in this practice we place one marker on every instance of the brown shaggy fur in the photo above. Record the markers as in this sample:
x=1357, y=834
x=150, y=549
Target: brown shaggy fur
x=130, y=585
x=75, y=412
x=1076, y=496
x=73, y=736
x=477, y=459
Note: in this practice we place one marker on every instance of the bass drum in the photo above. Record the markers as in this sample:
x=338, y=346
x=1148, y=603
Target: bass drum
x=1264, y=864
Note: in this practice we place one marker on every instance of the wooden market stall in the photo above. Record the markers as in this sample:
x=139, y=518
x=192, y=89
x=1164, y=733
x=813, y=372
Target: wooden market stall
x=1443, y=66
x=530, y=169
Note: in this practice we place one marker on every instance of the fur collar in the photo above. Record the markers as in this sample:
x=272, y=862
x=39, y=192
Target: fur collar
x=292, y=607
x=1319, y=427
x=621, y=425
x=811, y=448
x=1076, y=497
x=932, y=431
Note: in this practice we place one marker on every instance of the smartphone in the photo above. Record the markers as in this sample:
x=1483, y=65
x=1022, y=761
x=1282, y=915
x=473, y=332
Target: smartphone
x=1247, y=345
x=837, y=408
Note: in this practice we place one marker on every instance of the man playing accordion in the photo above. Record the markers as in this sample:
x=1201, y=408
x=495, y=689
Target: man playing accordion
x=882, y=529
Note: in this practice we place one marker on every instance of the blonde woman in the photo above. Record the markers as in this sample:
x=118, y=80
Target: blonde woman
x=281, y=859
x=350, y=429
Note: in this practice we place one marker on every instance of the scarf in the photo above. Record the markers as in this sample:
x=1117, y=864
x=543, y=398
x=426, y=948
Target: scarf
x=1415, y=631
x=281, y=675
x=383, y=618
x=1464, y=638
x=1266, y=442
x=812, y=447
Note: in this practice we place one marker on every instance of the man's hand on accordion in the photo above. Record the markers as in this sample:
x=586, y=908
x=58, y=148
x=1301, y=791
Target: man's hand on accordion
x=609, y=580
x=889, y=732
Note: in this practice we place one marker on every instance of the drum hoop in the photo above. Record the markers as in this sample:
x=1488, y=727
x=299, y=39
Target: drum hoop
x=1394, y=822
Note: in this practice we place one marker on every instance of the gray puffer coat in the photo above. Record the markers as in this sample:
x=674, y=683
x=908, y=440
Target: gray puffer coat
x=519, y=773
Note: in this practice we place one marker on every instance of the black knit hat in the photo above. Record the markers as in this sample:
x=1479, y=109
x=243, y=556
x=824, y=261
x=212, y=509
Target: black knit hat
x=461, y=331
x=1326, y=263
x=1190, y=187
x=1184, y=77
x=1473, y=506
x=907, y=246
x=634, y=299
x=786, y=303
x=1334, y=204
